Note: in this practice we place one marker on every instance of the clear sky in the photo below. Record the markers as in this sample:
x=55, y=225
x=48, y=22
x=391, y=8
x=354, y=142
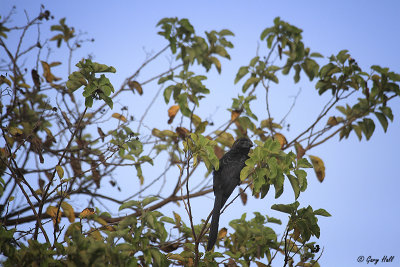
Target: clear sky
x=361, y=188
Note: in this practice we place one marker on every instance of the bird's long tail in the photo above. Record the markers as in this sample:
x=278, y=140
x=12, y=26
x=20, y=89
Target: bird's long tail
x=212, y=238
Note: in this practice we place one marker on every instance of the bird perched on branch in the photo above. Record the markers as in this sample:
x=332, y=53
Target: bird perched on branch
x=226, y=178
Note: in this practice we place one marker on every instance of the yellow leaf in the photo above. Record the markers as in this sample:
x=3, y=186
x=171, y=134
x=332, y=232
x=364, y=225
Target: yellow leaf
x=216, y=63
x=52, y=212
x=60, y=171
x=3, y=152
x=72, y=228
x=109, y=228
x=296, y=233
x=39, y=191
x=195, y=162
x=86, y=212
x=55, y=37
x=196, y=120
x=222, y=233
x=281, y=139
x=134, y=85
x=267, y=123
x=243, y=196
x=235, y=114
x=260, y=264
x=95, y=234
x=101, y=221
x=56, y=86
x=299, y=150
x=172, y=111
x=375, y=77
x=47, y=73
x=156, y=133
x=175, y=257
x=15, y=130
x=177, y=218
x=168, y=133
x=24, y=85
x=53, y=64
x=49, y=133
x=224, y=138
x=89, y=115
x=319, y=167
x=119, y=117
x=68, y=211
x=332, y=121
x=180, y=168
x=66, y=119
x=3, y=79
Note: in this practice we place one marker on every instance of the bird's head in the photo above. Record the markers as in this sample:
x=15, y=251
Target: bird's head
x=243, y=143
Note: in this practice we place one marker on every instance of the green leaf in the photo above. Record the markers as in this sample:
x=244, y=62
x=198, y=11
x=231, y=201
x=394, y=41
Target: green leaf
x=388, y=112
x=273, y=220
x=342, y=56
x=289, y=208
x=226, y=32
x=60, y=171
x=139, y=173
x=186, y=24
x=295, y=185
x=166, y=78
x=368, y=127
x=296, y=77
x=108, y=101
x=322, y=212
x=358, y=131
x=341, y=109
x=220, y=50
x=254, y=61
x=89, y=101
x=265, y=32
x=272, y=165
x=278, y=184
x=89, y=90
x=216, y=63
x=167, y=219
x=103, y=68
x=315, y=54
x=250, y=81
x=148, y=200
x=328, y=70
x=303, y=163
x=382, y=119
x=183, y=104
x=310, y=67
x=75, y=80
x=146, y=159
x=242, y=72
x=270, y=39
x=128, y=204
x=302, y=176
x=259, y=179
x=168, y=92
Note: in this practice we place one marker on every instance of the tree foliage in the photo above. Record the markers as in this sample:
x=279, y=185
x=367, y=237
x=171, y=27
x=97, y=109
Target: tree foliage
x=55, y=151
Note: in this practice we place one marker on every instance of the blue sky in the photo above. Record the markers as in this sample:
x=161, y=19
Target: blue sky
x=362, y=181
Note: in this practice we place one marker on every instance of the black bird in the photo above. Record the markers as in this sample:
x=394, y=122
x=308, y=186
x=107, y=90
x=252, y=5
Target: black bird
x=226, y=179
